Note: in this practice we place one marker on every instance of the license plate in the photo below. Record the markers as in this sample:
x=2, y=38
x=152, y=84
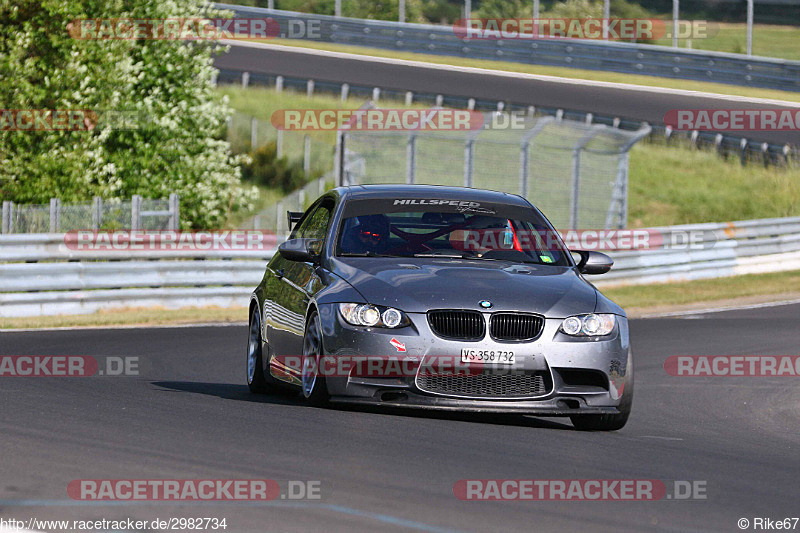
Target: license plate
x=493, y=357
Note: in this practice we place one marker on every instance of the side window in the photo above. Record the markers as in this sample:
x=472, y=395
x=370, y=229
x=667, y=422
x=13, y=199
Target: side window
x=315, y=226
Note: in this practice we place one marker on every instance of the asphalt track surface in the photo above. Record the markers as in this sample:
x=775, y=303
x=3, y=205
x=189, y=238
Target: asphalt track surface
x=623, y=102
x=190, y=416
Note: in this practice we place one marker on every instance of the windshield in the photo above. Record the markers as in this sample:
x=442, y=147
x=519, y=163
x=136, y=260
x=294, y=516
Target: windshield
x=482, y=231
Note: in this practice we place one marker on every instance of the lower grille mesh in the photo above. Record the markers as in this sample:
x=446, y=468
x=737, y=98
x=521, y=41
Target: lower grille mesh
x=487, y=384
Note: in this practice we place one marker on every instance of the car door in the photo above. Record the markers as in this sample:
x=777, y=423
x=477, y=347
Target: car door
x=291, y=285
x=303, y=279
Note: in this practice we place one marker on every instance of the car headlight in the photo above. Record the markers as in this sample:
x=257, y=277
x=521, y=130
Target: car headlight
x=592, y=325
x=369, y=315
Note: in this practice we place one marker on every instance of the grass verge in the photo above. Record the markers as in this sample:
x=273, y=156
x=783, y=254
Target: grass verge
x=768, y=40
x=636, y=299
x=131, y=317
x=564, y=72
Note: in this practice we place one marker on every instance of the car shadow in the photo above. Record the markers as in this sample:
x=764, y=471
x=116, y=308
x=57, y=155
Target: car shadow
x=229, y=391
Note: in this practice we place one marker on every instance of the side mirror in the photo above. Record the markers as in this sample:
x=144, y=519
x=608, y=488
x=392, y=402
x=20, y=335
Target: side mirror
x=301, y=250
x=593, y=262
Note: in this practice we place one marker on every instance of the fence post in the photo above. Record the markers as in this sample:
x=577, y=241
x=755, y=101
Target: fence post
x=524, y=166
x=409, y=98
x=338, y=160
x=279, y=144
x=8, y=208
x=136, y=209
x=411, y=159
x=469, y=161
x=310, y=88
x=524, y=162
x=345, y=91
x=245, y=79
x=253, y=133
x=376, y=94
x=279, y=219
x=175, y=212
x=55, y=215
x=97, y=213
x=279, y=84
x=576, y=175
x=307, y=155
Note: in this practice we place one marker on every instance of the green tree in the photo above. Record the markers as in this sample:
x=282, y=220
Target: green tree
x=178, y=143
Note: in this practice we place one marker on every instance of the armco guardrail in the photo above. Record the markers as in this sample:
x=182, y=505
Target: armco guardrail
x=720, y=250
x=40, y=275
x=623, y=57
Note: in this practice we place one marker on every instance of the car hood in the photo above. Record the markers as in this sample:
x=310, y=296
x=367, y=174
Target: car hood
x=417, y=285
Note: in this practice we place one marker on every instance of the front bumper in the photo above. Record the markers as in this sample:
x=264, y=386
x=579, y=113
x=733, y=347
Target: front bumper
x=583, y=376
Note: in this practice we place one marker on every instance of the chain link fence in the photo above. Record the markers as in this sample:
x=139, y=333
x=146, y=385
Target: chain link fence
x=56, y=217
x=246, y=134
x=575, y=172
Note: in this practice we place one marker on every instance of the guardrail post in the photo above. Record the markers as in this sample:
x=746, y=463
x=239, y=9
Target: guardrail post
x=376, y=94
x=253, y=133
x=307, y=155
x=175, y=212
x=245, y=79
x=411, y=159
x=136, y=209
x=439, y=100
x=97, y=213
x=310, y=88
x=765, y=153
x=279, y=144
x=55, y=215
x=8, y=209
x=471, y=104
x=345, y=91
x=409, y=98
x=279, y=84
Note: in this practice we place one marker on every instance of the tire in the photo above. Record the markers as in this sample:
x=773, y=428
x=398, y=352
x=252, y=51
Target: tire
x=607, y=422
x=315, y=390
x=256, y=381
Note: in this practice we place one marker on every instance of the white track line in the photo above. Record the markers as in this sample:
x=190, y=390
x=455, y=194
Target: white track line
x=123, y=326
x=721, y=309
x=514, y=75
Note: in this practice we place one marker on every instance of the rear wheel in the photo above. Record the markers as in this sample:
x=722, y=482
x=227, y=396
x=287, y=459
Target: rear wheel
x=315, y=390
x=256, y=380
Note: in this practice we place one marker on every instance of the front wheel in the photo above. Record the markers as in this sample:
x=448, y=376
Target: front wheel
x=607, y=422
x=256, y=381
x=315, y=390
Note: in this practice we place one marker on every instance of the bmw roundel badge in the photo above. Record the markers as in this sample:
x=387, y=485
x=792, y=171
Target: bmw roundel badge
x=486, y=304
